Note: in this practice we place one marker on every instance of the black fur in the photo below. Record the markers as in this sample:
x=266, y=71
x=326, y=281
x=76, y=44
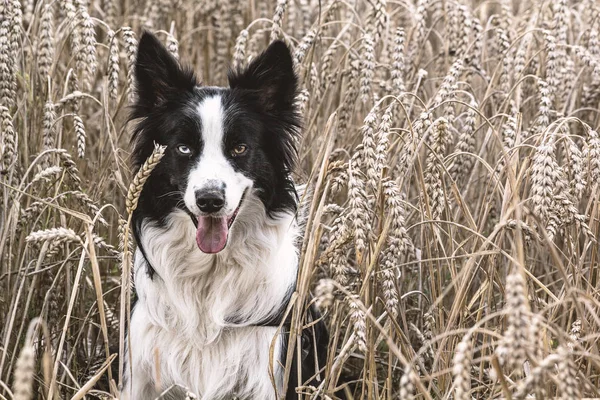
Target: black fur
x=313, y=353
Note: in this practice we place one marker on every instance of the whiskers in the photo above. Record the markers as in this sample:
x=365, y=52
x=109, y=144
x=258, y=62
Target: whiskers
x=178, y=194
x=173, y=193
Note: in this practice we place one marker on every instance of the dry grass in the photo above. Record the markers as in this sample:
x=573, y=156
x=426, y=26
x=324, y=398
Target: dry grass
x=451, y=148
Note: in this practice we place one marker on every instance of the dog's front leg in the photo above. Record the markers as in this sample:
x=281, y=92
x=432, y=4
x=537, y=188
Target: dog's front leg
x=139, y=375
x=138, y=386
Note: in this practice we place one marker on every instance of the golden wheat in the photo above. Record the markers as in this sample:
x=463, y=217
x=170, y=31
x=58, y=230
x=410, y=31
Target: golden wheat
x=452, y=153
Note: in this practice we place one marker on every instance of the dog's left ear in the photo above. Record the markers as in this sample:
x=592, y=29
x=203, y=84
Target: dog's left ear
x=271, y=75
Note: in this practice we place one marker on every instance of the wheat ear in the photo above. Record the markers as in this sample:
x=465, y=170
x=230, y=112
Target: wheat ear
x=136, y=186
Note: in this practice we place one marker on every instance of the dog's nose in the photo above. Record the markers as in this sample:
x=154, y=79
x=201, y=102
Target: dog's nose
x=210, y=201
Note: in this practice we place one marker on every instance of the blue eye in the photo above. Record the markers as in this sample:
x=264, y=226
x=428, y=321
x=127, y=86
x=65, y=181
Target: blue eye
x=183, y=149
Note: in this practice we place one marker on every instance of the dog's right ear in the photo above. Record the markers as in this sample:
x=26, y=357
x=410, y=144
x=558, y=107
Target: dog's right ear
x=158, y=74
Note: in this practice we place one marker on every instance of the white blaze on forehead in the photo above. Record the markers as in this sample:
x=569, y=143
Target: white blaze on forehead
x=212, y=114
x=213, y=166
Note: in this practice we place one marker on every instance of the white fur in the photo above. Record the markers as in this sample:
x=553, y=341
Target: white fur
x=213, y=168
x=182, y=314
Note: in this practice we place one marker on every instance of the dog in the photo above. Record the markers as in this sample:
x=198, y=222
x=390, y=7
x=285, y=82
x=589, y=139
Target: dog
x=217, y=233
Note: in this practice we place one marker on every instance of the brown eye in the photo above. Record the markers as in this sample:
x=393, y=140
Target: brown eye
x=239, y=150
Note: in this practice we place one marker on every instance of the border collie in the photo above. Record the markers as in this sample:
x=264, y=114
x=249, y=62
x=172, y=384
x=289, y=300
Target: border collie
x=217, y=256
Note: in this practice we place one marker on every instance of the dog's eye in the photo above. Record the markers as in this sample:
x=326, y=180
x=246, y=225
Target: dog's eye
x=239, y=150
x=183, y=149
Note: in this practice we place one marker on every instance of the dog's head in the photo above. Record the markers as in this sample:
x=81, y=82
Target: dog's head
x=225, y=146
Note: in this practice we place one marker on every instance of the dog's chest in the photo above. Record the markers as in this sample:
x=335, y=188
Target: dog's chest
x=235, y=364
x=181, y=329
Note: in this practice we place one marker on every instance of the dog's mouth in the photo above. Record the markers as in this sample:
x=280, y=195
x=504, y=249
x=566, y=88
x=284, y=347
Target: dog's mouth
x=212, y=232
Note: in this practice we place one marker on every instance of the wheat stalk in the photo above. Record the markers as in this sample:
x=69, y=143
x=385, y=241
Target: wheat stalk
x=304, y=46
x=517, y=340
x=567, y=375
x=462, y=368
x=53, y=234
x=10, y=25
x=434, y=171
x=49, y=132
x=131, y=51
x=277, y=18
x=46, y=43
x=324, y=293
x=444, y=144
x=86, y=56
x=172, y=43
x=10, y=138
x=239, y=55
x=113, y=65
x=358, y=203
x=24, y=371
x=136, y=186
x=367, y=66
x=407, y=384
x=81, y=135
x=358, y=318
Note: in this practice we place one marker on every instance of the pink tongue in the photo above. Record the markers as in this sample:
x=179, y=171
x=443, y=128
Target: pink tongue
x=211, y=235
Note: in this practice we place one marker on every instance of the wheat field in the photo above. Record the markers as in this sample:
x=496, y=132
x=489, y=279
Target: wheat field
x=450, y=149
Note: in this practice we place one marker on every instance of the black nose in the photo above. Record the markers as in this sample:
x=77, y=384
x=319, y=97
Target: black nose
x=210, y=201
